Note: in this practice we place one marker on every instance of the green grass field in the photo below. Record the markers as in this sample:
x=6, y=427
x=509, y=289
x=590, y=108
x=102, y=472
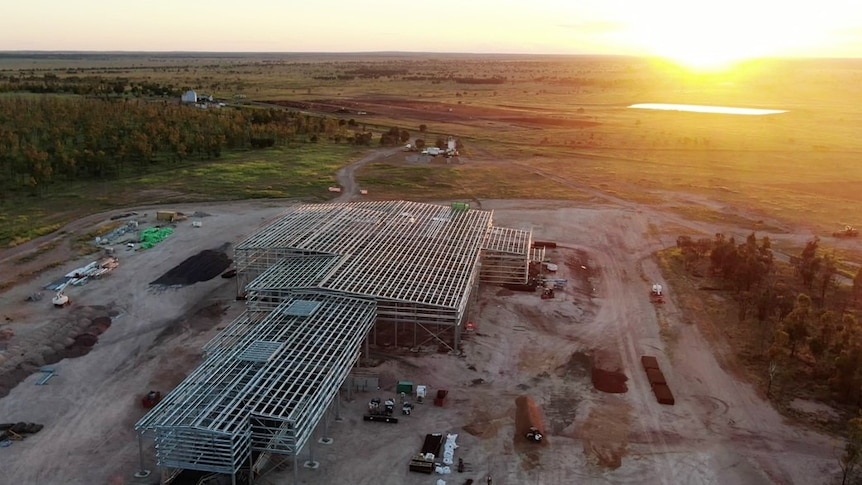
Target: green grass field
x=301, y=171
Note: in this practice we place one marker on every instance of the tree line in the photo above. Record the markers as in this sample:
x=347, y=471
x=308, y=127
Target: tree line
x=51, y=139
x=49, y=83
x=805, y=320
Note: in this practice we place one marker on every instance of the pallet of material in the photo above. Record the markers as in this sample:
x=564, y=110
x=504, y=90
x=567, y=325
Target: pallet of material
x=420, y=465
x=380, y=418
x=649, y=362
x=663, y=394
x=655, y=376
x=424, y=461
x=544, y=244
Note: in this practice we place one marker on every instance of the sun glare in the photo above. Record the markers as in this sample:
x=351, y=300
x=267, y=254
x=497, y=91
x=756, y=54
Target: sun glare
x=717, y=38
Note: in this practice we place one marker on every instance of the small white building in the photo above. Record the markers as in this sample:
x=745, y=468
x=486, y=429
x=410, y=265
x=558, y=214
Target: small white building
x=190, y=96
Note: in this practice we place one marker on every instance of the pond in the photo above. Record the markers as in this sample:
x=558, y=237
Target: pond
x=695, y=108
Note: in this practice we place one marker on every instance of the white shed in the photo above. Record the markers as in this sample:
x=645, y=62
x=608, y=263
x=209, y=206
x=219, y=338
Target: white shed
x=190, y=96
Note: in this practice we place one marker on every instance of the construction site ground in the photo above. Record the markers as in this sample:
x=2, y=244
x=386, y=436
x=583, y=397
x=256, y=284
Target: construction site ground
x=720, y=430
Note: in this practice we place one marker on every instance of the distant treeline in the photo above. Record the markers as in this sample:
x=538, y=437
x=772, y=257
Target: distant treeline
x=84, y=85
x=49, y=139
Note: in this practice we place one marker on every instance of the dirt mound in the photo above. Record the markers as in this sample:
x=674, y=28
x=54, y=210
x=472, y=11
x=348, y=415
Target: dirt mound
x=527, y=415
x=609, y=381
x=203, y=266
x=84, y=335
x=606, y=372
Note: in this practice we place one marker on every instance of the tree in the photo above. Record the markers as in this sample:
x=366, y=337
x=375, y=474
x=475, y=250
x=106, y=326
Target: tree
x=852, y=449
x=773, y=370
x=723, y=257
x=809, y=263
x=404, y=136
x=420, y=144
x=796, y=324
x=828, y=272
x=423, y=128
x=857, y=285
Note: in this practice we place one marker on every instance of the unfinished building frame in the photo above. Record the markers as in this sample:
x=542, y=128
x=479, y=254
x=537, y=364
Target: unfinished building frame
x=419, y=262
x=263, y=388
x=317, y=281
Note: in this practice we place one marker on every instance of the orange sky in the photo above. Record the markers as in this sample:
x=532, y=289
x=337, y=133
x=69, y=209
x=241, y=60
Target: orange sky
x=695, y=32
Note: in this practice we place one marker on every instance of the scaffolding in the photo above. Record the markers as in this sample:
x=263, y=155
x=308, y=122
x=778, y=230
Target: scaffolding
x=506, y=256
x=263, y=387
x=418, y=261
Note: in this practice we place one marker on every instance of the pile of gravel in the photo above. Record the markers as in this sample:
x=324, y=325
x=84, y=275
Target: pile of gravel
x=203, y=266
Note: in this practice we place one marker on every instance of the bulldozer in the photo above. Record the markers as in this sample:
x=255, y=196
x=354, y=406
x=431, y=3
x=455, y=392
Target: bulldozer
x=848, y=231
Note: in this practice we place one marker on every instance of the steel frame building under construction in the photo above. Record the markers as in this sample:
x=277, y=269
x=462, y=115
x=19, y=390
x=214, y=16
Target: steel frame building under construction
x=317, y=281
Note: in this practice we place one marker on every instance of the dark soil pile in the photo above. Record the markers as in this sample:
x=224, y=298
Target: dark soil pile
x=609, y=381
x=203, y=266
x=606, y=372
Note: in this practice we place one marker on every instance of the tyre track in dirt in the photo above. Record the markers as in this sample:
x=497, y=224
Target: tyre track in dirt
x=613, y=258
x=618, y=313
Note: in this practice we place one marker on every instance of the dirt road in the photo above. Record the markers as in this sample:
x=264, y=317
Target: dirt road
x=346, y=176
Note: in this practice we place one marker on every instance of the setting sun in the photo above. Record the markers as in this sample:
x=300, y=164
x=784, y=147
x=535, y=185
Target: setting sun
x=716, y=38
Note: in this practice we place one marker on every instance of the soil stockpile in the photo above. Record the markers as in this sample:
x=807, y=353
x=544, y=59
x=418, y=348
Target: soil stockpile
x=649, y=362
x=203, y=266
x=528, y=414
x=606, y=373
x=655, y=376
x=613, y=382
x=663, y=394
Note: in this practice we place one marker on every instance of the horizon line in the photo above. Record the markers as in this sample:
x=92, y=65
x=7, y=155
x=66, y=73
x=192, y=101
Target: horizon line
x=384, y=52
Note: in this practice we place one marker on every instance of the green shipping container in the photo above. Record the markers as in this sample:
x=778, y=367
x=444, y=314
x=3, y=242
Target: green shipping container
x=404, y=386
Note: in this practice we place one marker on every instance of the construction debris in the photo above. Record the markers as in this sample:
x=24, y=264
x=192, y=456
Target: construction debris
x=10, y=432
x=154, y=235
x=80, y=276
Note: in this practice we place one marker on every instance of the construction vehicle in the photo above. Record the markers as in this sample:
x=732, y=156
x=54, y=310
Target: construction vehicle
x=379, y=413
x=533, y=435
x=151, y=399
x=60, y=300
x=656, y=295
x=406, y=408
x=849, y=231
